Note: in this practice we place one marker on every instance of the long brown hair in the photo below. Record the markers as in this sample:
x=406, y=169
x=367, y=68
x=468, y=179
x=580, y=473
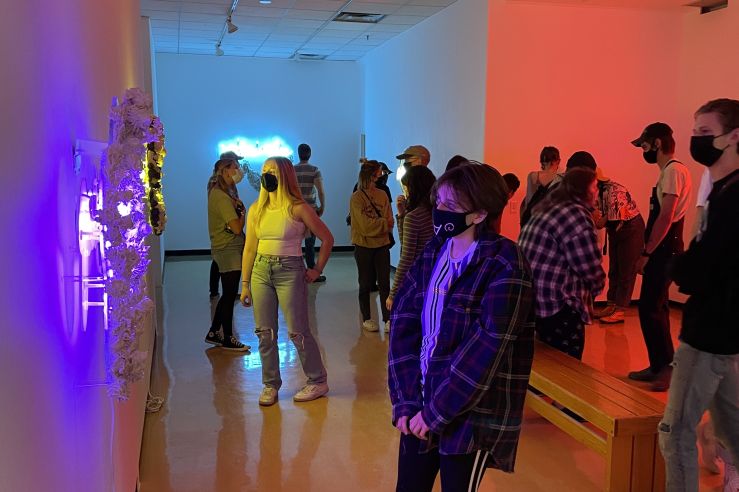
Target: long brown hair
x=218, y=181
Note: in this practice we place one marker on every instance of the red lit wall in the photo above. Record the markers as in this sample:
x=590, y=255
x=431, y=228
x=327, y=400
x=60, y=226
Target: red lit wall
x=590, y=78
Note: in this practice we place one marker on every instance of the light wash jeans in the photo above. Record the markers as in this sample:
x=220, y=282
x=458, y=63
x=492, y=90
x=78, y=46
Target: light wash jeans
x=700, y=381
x=281, y=280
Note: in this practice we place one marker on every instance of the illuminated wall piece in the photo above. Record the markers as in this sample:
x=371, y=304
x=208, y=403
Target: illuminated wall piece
x=256, y=151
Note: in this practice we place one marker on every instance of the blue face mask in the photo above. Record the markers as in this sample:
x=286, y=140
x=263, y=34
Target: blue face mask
x=448, y=224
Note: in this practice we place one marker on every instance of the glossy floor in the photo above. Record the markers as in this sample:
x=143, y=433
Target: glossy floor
x=211, y=435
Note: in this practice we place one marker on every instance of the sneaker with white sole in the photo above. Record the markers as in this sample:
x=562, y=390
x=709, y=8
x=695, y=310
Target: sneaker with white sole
x=311, y=392
x=268, y=396
x=234, y=345
x=214, y=338
x=370, y=325
x=387, y=326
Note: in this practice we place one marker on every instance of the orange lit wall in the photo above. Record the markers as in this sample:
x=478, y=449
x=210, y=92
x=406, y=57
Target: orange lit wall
x=590, y=78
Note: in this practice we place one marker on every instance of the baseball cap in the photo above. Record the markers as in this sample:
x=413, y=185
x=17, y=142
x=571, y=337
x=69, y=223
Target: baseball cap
x=652, y=131
x=231, y=155
x=415, y=151
x=385, y=169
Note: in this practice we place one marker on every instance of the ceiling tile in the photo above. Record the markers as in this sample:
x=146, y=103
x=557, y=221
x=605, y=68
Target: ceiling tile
x=277, y=30
x=372, y=7
x=309, y=14
x=328, y=5
x=403, y=20
x=422, y=10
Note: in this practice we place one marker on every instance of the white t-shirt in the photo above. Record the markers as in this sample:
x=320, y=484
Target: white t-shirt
x=674, y=179
x=704, y=189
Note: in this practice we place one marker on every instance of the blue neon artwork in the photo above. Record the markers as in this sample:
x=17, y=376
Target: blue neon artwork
x=256, y=151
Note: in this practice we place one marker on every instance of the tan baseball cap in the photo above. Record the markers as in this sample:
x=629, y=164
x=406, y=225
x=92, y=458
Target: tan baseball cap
x=415, y=151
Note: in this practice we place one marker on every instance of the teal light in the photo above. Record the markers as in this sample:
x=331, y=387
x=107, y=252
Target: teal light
x=256, y=151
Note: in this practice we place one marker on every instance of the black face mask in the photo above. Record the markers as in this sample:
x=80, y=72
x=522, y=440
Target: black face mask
x=449, y=224
x=382, y=181
x=703, y=151
x=650, y=156
x=269, y=182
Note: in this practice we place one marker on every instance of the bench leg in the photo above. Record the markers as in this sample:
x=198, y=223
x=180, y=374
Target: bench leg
x=634, y=464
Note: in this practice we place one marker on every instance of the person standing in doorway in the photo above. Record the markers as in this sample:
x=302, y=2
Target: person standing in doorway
x=310, y=182
x=663, y=240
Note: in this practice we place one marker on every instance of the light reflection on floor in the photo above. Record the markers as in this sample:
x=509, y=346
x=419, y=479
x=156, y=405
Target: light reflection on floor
x=211, y=435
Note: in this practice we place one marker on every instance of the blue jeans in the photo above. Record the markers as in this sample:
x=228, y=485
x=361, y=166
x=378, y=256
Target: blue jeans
x=280, y=280
x=700, y=381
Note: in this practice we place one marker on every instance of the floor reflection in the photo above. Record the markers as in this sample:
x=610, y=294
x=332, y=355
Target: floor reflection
x=211, y=435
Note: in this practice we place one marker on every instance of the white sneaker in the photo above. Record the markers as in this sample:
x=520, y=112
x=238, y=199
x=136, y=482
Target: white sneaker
x=311, y=392
x=370, y=325
x=268, y=396
x=387, y=326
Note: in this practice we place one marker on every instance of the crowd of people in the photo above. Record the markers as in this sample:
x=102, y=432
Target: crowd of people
x=466, y=303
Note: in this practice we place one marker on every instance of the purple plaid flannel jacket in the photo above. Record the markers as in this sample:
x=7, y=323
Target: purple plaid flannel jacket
x=477, y=378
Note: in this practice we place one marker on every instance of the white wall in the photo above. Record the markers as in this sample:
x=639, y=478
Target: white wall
x=206, y=99
x=427, y=86
x=56, y=420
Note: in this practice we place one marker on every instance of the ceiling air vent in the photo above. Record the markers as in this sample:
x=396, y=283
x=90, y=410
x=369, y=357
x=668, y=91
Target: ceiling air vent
x=708, y=6
x=308, y=56
x=359, y=17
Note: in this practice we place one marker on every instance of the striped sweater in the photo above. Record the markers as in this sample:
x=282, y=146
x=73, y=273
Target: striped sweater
x=415, y=228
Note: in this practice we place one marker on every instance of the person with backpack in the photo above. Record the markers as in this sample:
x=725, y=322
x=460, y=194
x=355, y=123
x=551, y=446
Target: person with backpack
x=538, y=183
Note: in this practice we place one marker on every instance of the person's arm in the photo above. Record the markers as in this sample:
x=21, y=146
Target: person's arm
x=662, y=225
x=583, y=255
x=309, y=217
x=318, y=183
x=404, y=350
x=504, y=317
x=237, y=225
x=250, y=253
x=408, y=251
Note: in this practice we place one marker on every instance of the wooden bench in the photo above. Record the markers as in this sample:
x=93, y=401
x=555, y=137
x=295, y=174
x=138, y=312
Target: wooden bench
x=626, y=417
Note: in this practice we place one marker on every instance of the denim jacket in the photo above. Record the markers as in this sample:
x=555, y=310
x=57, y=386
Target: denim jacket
x=478, y=374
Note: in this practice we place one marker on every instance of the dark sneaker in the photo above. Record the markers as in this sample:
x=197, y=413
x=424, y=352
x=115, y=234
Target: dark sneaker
x=615, y=317
x=214, y=338
x=235, y=345
x=605, y=311
x=644, y=375
x=321, y=278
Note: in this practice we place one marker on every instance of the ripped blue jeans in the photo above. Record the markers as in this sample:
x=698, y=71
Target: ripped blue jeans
x=700, y=381
x=280, y=280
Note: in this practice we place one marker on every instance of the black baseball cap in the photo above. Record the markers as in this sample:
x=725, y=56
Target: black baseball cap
x=655, y=130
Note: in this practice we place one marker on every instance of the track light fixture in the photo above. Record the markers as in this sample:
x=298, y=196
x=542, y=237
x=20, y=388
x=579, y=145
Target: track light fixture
x=228, y=27
x=232, y=28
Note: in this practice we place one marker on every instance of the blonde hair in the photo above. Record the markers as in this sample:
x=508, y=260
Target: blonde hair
x=288, y=191
x=369, y=168
x=217, y=181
